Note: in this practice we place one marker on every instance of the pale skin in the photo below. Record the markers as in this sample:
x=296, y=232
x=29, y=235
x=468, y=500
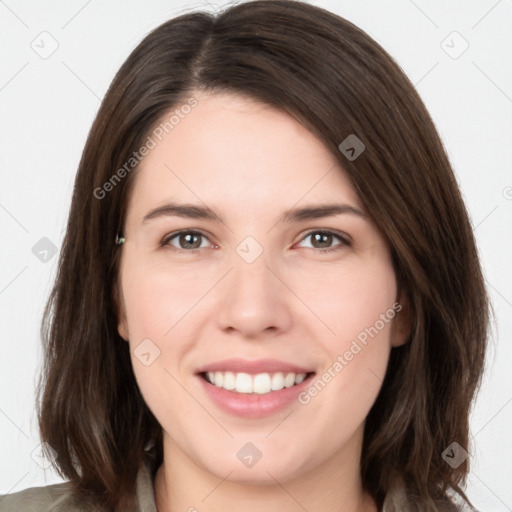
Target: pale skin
x=249, y=163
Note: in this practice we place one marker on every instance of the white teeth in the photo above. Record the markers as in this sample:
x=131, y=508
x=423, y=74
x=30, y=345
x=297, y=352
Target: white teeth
x=243, y=383
x=289, y=380
x=299, y=378
x=277, y=381
x=229, y=382
x=261, y=384
x=219, y=379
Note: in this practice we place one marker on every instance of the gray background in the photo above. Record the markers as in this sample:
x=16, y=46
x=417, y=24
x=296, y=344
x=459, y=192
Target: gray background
x=48, y=102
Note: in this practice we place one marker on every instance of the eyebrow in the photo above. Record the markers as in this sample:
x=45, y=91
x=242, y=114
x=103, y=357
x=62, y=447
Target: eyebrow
x=191, y=211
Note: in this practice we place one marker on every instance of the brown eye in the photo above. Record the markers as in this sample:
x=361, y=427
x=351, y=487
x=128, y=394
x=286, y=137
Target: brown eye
x=323, y=240
x=185, y=240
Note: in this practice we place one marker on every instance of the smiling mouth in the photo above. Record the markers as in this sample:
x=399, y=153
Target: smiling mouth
x=258, y=384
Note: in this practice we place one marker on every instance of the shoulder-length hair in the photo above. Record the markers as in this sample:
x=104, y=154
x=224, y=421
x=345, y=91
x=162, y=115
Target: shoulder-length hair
x=337, y=81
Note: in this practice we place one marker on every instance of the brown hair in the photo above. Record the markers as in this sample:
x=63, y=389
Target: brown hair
x=336, y=81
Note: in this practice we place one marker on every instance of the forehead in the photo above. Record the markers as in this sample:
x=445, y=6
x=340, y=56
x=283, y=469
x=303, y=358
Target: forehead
x=234, y=151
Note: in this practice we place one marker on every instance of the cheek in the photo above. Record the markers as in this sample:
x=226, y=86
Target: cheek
x=158, y=305
x=156, y=308
x=351, y=300
x=156, y=301
x=358, y=306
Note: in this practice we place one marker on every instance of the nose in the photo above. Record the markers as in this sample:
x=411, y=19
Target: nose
x=254, y=301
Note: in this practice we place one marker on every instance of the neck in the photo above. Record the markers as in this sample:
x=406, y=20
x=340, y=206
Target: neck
x=333, y=486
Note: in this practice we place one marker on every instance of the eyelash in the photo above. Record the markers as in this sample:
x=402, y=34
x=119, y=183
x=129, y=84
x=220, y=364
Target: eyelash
x=345, y=241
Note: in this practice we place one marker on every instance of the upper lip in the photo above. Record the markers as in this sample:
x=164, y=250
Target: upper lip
x=253, y=366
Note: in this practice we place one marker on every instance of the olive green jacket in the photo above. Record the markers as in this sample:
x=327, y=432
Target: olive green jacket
x=58, y=498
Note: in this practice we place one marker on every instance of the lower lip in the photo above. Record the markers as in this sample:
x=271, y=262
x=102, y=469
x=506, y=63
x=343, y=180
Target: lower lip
x=253, y=405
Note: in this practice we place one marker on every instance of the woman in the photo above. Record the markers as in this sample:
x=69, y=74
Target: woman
x=269, y=293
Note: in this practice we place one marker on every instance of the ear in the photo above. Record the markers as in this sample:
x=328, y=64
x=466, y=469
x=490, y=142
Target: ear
x=401, y=327
x=122, y=327
x=122, y=324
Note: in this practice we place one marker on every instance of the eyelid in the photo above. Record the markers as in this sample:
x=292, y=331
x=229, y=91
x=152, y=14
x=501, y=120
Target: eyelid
x=344, y=238
x=167, y=238
x=340, y=234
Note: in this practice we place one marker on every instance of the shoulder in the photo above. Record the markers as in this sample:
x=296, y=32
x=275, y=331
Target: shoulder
x=397, y=500
x=61, y=498
x=50, y=498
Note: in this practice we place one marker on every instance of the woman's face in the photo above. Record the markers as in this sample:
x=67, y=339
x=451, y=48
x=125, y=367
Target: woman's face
x=258, y=298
